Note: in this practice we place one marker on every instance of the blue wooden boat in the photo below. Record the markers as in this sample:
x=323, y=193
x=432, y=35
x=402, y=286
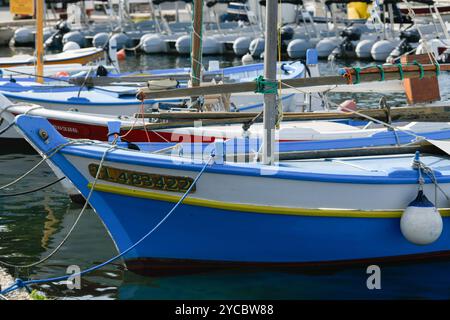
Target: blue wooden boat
x=295, y=213
x=121, y=100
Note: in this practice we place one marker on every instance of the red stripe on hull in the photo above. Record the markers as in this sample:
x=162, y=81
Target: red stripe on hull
x=76, y=130
x=97, y=132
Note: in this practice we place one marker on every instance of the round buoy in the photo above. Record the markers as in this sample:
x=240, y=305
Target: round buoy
x=326, y=46
x=70, y=46
x=61, y=74
x=256, y=47
x=75, y=36
x=121, y=54
x=241, y=45
x=153, y=43
x=247, y=59
x=183, y=44
x=382, y=49
x=100, y=39
x=297, y=48
x=122, y=40
x=364, y=47
x=421, y=222
x=23, y=36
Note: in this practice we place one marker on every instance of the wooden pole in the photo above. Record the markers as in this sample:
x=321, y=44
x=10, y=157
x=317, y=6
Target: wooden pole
x=270, y=74
x=359, y=152
x=366, y=75
x=39, y=40
x=178, y=120
x=196, y=45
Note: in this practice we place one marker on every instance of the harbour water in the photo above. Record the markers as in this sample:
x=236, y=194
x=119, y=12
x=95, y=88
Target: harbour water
x=34, y=224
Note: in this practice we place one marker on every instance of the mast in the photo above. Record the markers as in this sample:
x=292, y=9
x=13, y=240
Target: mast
x=270, y=74
x=39, y=41
x=196, y=45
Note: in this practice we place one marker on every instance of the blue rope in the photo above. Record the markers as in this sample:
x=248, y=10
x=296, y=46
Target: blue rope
x=19, y=283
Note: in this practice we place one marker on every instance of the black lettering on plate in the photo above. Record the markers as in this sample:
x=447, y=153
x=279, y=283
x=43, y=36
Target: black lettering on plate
x=142, y=180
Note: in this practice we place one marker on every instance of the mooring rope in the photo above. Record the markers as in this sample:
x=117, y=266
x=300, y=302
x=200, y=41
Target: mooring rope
x=86, y=203
x=44, y=158
x=32, y=190
x=420, y=166
x=9, y=126
x=19, y=283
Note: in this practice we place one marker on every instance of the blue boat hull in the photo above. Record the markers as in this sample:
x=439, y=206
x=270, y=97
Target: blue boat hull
x=209, y=235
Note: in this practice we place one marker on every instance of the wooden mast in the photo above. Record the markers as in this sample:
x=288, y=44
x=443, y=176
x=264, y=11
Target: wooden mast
x=39, y=40
x=270, y=74
x=196, y=44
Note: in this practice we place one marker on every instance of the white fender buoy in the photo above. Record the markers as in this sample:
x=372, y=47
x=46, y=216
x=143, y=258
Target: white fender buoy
x=241, y=45
x=247, y=59
x=326, y=46
x=100, y=39
x=153, y=43
x=421, y=223
x=183, y=44
x=75, y=36
x=70, y=46
x=23, y=36
x=256, y=47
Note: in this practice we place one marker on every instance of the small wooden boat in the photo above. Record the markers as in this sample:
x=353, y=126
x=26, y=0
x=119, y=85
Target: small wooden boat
x=53, y=73
x=292, y=214
x=121, y=100
x=81, y=56
x=79, y=125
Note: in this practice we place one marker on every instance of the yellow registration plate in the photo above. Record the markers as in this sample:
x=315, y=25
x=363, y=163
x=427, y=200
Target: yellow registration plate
x=142, y=180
